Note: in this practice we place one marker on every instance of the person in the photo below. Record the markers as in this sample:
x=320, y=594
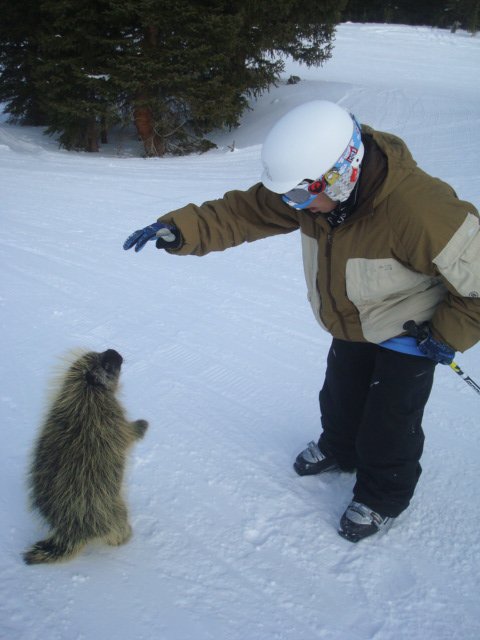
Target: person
x=391, y=259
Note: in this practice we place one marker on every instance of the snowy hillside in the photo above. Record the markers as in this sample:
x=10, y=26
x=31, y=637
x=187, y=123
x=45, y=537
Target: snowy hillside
x=225, y=360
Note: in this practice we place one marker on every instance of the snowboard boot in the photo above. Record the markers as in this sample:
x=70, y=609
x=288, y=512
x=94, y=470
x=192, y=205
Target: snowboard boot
x=312, y=461
x=359, y=522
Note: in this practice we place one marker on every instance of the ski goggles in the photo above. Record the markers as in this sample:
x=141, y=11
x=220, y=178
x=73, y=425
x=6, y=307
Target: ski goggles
x=338, y=182
x=303, y=194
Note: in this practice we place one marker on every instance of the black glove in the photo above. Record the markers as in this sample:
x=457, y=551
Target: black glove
x=167, y=236
x=433, y=349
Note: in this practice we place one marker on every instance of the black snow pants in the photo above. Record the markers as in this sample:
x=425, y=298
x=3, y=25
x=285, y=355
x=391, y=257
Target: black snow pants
x=372, y=404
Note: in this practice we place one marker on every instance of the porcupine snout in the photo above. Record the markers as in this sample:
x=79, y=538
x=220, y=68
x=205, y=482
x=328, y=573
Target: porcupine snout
x=111, y=360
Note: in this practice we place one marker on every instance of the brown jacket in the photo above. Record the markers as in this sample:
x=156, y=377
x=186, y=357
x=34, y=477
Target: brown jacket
x=410, y=250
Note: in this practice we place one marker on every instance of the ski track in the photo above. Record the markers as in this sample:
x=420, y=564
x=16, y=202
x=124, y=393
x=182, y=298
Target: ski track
x=223, y=358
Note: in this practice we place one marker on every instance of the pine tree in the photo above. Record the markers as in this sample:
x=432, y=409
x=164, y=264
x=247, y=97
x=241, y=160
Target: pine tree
x=177, y=68
x=20, y=25
x=72, y=76
x=189, y=67
x=170, y=71
x=466, y=13
x=474, y=17
x=438, y=13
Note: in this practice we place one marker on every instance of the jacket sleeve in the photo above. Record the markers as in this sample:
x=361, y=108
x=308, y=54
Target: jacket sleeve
x=240, y=216
x=440, y=236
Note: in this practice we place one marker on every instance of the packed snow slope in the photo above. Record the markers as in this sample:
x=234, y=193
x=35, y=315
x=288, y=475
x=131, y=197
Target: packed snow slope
x=224, y=358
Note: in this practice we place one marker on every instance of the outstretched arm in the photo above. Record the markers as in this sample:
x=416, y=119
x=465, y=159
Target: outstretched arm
x=240, y=216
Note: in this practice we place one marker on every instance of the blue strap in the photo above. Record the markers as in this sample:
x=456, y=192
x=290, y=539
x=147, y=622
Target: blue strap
x=403, y=344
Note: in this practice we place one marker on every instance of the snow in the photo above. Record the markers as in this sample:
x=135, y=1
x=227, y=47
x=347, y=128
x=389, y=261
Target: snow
x=225, y=360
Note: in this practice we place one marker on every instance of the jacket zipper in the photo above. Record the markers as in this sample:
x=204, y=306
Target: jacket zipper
x=328, y=257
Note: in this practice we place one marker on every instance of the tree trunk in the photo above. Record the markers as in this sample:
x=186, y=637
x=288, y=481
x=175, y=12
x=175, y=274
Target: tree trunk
x=103, y=131
x=91, y=137
x=154, y=145
x=143, y=116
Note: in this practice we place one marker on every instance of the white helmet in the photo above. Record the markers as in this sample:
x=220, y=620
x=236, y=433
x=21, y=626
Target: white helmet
x=306, y=143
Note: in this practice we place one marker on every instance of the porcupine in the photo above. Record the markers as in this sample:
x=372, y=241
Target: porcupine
x=79, y=460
